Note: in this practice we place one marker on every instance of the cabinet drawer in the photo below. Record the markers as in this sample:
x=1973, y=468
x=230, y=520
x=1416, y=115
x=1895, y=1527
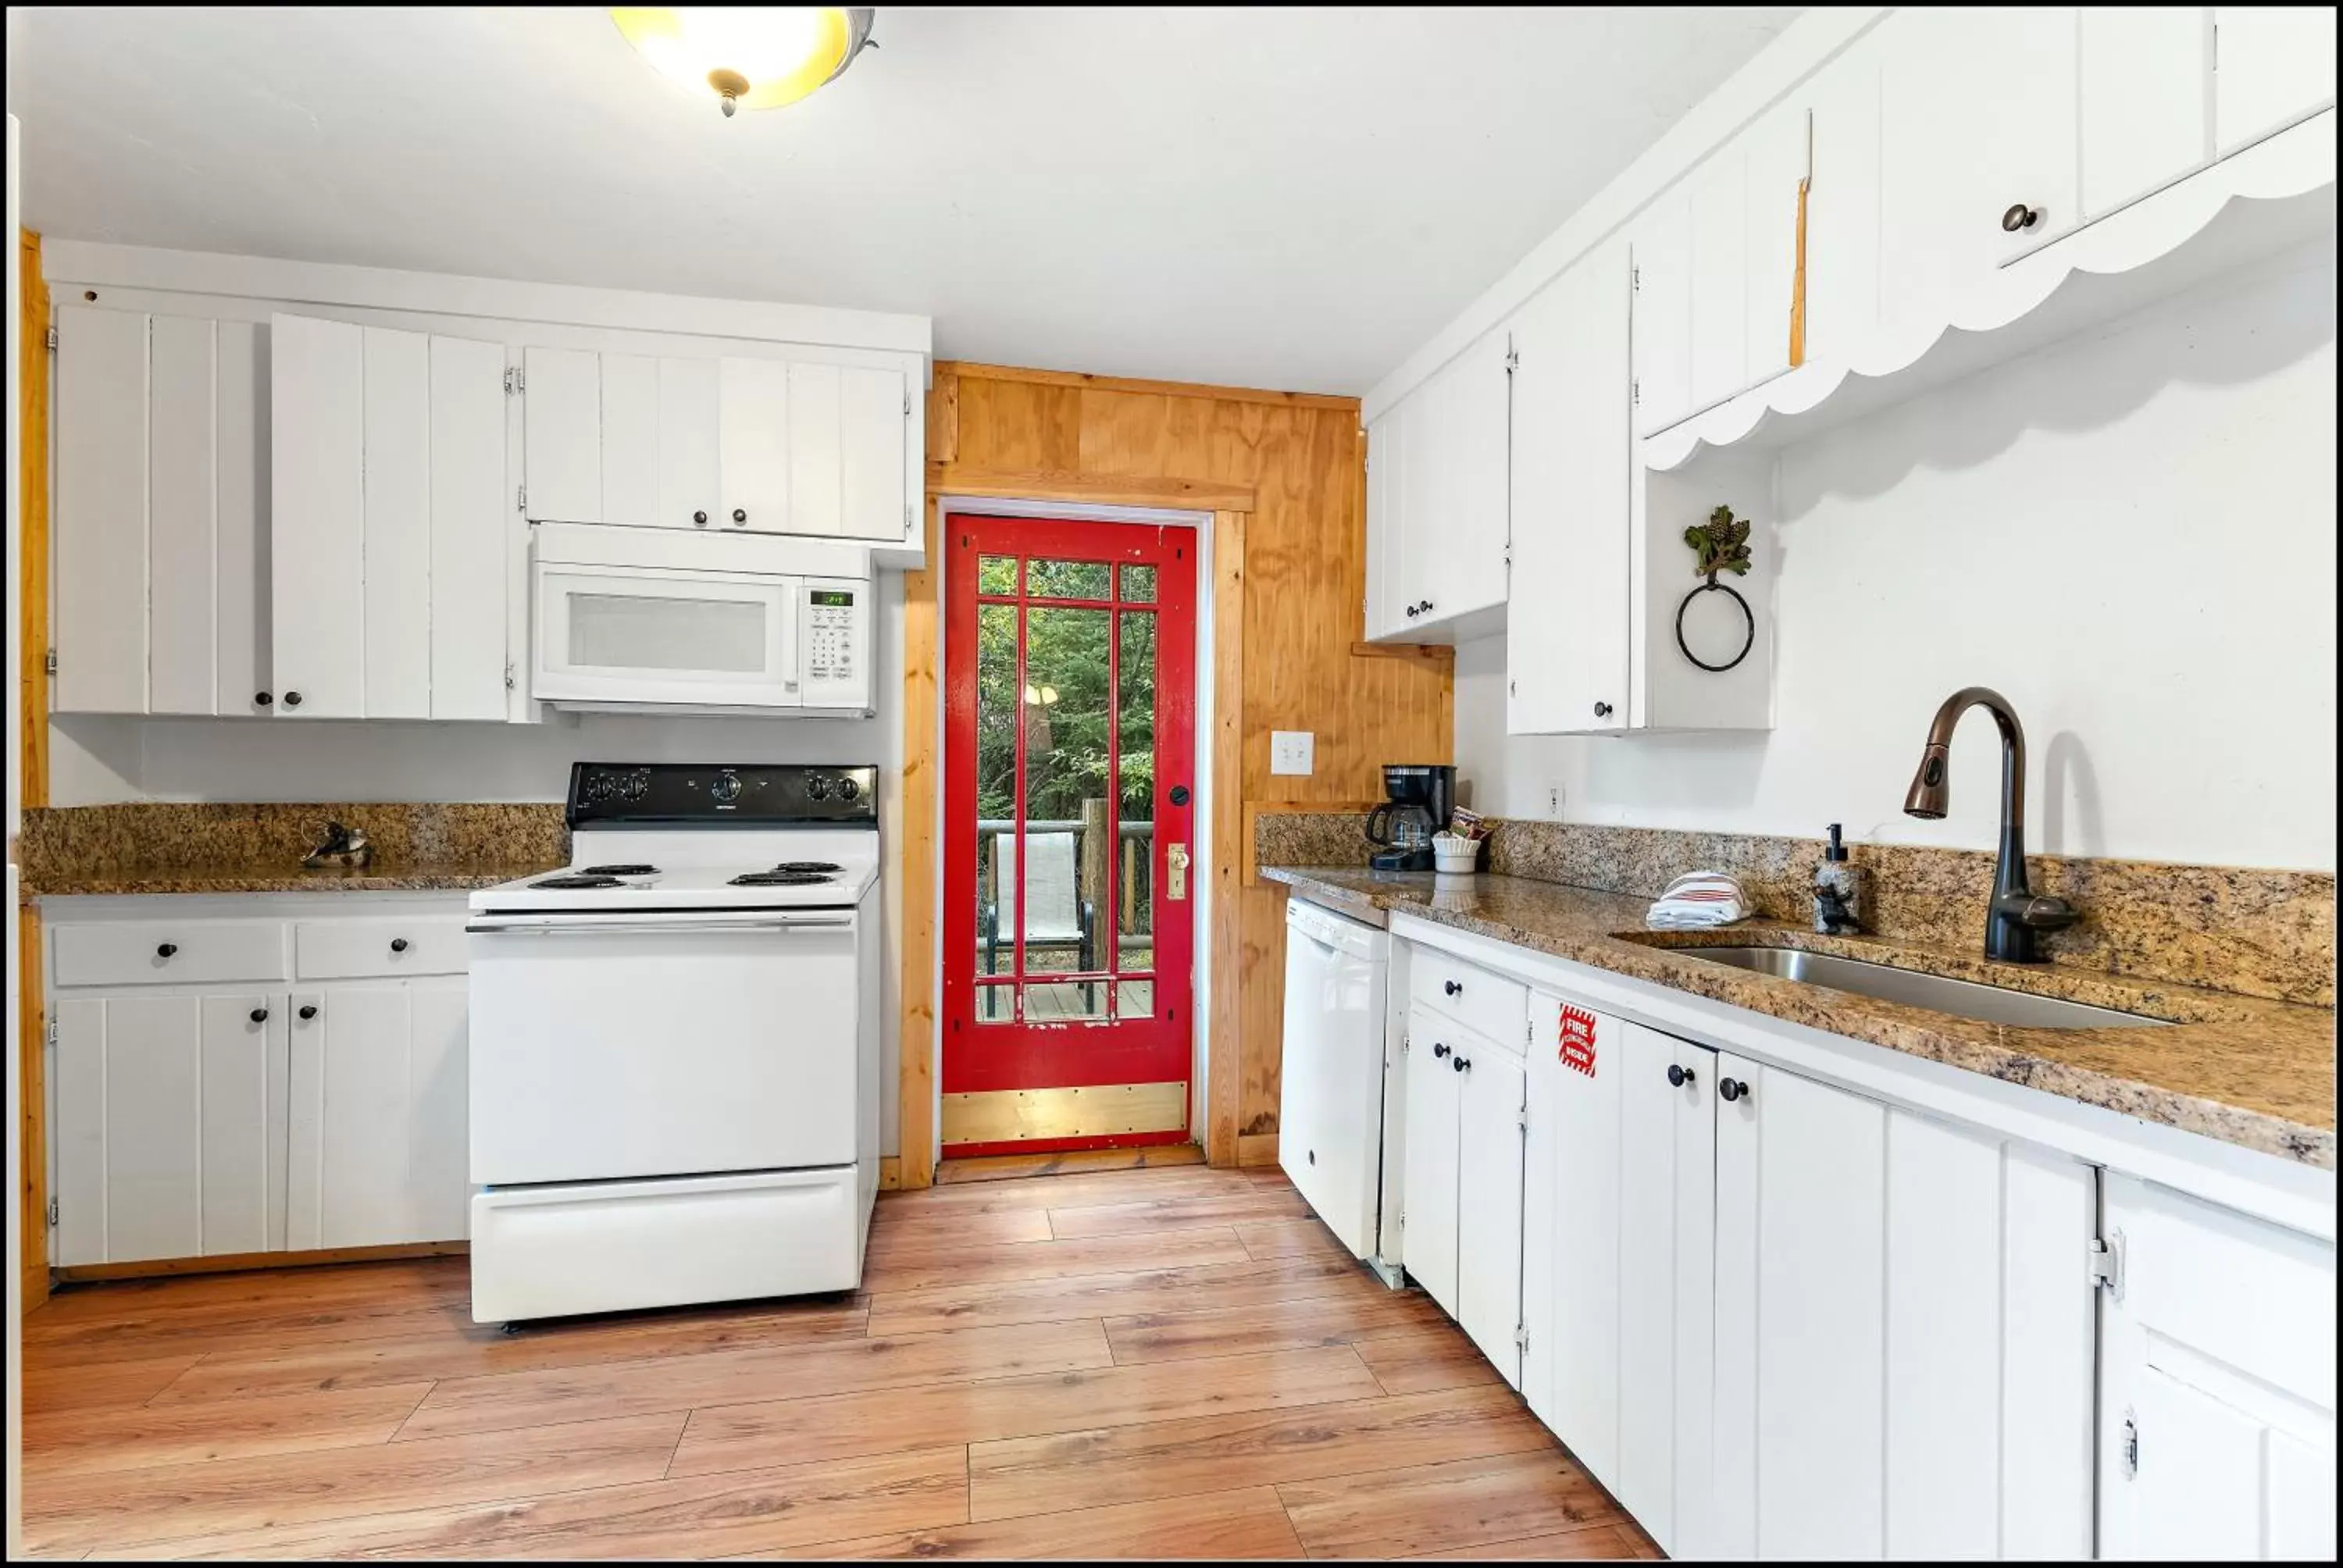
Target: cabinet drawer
x=1488, y=1004
x=358, y=950
x=169, y=952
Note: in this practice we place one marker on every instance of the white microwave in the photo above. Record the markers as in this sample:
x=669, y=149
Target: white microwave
x=645, y=620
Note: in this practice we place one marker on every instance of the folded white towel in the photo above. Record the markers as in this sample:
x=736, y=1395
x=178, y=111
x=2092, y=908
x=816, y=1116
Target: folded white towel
x=1696, y=901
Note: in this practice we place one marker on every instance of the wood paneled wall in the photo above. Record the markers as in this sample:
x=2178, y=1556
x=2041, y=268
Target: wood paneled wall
x=32, y=591
x=1301, y=458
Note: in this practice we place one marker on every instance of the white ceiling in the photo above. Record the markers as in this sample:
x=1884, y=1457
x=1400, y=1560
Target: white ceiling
x=1288, y=198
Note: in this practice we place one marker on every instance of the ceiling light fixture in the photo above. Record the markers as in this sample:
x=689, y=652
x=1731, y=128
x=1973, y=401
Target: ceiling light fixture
x=758, y=56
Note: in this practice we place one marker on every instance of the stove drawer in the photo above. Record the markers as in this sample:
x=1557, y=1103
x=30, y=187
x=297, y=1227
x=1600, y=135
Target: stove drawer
x=366, y=949
x=169, y=952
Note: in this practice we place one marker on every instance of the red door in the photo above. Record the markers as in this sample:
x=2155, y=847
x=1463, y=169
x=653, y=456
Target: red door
x=1070, y=726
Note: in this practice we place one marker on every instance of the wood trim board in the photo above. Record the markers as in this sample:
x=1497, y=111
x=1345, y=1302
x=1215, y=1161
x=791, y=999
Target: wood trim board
x=957, y=478
x=1223, y=1076
x=975, y=372
x=32, y=1125
x=33, y=516
x=922, y=772
x=232, y=1262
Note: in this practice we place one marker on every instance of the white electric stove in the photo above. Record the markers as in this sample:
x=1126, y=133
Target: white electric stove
x=675, y=1045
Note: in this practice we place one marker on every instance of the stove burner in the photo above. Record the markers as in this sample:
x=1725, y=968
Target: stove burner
x=778, y=879
x=578, y=880
x=626, y=870
x=808, y=866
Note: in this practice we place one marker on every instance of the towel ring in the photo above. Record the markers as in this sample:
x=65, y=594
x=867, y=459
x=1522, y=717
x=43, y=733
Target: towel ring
x=1749, y=618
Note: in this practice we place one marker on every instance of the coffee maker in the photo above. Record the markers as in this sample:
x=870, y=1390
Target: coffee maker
x=1421, y=794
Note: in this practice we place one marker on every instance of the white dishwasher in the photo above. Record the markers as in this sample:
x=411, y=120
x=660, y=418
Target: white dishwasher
x=1339, y=1118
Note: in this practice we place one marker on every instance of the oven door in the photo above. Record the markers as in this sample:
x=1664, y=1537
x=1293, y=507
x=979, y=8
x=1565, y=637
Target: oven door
x=661, y=1044
x=634, y=634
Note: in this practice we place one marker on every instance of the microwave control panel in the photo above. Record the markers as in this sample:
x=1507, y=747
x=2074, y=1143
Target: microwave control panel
x=834, y=644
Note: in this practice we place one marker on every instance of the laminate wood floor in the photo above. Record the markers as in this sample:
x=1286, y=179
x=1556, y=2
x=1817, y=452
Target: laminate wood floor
x=1175, y=1362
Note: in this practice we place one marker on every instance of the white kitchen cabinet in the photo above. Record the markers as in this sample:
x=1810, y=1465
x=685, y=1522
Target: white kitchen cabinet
x=2272, y=65
x=317, y=555
x=630, y=441
x=1566, y=627
x=689, y=422
x=101, y=510
x=182, y=516
x=168, y=1126
x=1977, y=117
x=241, y=610
x=469, y=510
x=1661, y=248
x=375, y=1135
x=398, y=570
x=1444, y=501
x=2216, y=1404
x=1429, y=1180
x=2142, y=110
x=755, y=419
x=1490, y=1124
x=562, y=441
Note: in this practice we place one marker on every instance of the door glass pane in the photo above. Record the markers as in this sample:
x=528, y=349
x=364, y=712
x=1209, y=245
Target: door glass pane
x=1134, y=998
x=1135, y=888
x=1066, y=579
x=996, y=1003
x=996, y=574
x=1139, y=585
x=1066, y=1001
x=996, y=797
x=640, y=631
x=1067, y=863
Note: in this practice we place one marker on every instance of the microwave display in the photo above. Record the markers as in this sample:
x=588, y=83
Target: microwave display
x=830, y=596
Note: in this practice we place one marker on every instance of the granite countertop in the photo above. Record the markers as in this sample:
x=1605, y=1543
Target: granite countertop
x=278, y=878
x=2254, y=1073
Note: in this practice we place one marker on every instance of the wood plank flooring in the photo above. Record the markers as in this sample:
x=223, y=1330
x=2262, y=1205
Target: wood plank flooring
x=1160, y=1362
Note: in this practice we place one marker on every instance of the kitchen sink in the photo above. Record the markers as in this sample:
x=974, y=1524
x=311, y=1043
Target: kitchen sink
x=1962, y=998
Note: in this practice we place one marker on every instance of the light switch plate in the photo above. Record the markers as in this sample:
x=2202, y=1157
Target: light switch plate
x=1292, y=751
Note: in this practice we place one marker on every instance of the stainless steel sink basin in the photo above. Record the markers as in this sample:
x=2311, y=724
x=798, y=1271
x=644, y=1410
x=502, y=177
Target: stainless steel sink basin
x=1962, y=998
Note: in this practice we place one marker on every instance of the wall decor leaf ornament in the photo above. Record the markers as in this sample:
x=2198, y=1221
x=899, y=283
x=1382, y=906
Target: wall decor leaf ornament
x=1720, y=545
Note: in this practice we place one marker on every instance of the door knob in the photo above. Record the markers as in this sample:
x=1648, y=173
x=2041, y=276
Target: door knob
x=260, y=1015
x=308, y=1013
x=1679, y=1076
x=2020, y=216
x=1730, y=1089
x=1439, y=1050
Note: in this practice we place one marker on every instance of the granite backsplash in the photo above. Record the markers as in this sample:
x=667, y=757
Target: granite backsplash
x=156, y=835
x=2250, y=932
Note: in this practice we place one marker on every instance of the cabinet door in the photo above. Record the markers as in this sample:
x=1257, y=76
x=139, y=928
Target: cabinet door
x=347, y=1185
x=1571, y=1235
x=241, y=1130
x=1421, y=476
x=755, y=414
x=1776, y=153
x=129, y=1137
x=1431, y=1182
x=239, y=570
x=1660, y=255
x=318, y=561
x=399, y=529
x=1488, y=1202
x=1800, y=1322
x=688, y=460
x=630, y=443
x=561, y=443
x=874, y=420
x=1978, y=115
x=1718, y=276
x=1566, y=633
x=1666, y=1143
x=2273, y=65
x=469, y=514
x=183, y=516
x=2217, y=1398
x=2143, y=110
x=1383, y=570
x=1466, y=554
x=440, y=1185
x=1842, y=205
x=101, y=516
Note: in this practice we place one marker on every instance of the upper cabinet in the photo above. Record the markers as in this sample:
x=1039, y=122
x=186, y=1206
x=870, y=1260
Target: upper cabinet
x=1437, y=476
x=725, y=444
x=2272, y=66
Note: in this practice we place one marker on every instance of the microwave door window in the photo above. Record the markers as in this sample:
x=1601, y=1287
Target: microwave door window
x=708, y=636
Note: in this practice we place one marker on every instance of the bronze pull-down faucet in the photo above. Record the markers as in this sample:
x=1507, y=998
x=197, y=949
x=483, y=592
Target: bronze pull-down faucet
x=2017, y=916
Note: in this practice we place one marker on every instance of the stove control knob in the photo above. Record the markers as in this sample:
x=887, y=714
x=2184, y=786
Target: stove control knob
x=639, y=784
x=816, y=787
x=727, y=788
x=847, y=789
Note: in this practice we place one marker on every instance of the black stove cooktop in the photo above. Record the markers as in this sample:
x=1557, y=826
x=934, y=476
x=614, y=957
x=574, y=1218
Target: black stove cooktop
x=780, y=878
x=814, y=865
x=578, y=880
x=633, y=870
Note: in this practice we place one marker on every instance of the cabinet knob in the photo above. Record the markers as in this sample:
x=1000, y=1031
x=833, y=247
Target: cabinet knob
x=1730, y=1089
x=2020, y=216
x=1462, y=1065
x=699, y=519
x=740, y=516
x=292, y=699
x=1439, y=1050
x=308, y=1013
x=260, y=1015
x=1602, y=710
x=262, y=700
x=1454, y=988
x=1427, y=607
x=1411, y=612
x=398, y=944
x=1678, y=1076
x=167, y=950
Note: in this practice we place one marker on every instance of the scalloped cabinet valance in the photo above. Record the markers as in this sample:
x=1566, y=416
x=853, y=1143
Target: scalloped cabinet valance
x=1953, y=188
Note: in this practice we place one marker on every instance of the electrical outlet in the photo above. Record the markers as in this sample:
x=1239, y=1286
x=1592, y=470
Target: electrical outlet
x=1292, y=751
x=1554, y=800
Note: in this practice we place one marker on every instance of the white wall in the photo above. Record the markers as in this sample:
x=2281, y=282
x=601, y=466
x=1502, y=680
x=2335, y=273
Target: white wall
x=2131, y=534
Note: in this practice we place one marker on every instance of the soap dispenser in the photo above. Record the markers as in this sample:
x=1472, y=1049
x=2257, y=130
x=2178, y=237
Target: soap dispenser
x=1838, y=891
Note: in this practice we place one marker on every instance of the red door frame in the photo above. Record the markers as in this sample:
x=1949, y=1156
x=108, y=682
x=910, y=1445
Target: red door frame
x=1018, y=1053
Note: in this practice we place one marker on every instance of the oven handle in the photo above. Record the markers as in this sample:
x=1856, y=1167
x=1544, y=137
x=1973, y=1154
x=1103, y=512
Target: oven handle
x=637, y=925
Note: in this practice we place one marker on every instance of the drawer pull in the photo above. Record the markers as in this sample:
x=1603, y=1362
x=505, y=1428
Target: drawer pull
x=308, y=1013
x=167, y=950
x=398, y=944
x=260, y=1015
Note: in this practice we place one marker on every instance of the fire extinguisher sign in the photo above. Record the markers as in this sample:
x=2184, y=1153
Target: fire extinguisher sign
x=1577, y=1035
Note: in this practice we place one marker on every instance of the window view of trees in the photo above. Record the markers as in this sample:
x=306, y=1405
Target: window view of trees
x=1064, y=712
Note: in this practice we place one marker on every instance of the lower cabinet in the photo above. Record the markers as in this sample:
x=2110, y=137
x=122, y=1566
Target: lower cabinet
x=2217, y=1394
x=378, y=1129
x=1462, y=1180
